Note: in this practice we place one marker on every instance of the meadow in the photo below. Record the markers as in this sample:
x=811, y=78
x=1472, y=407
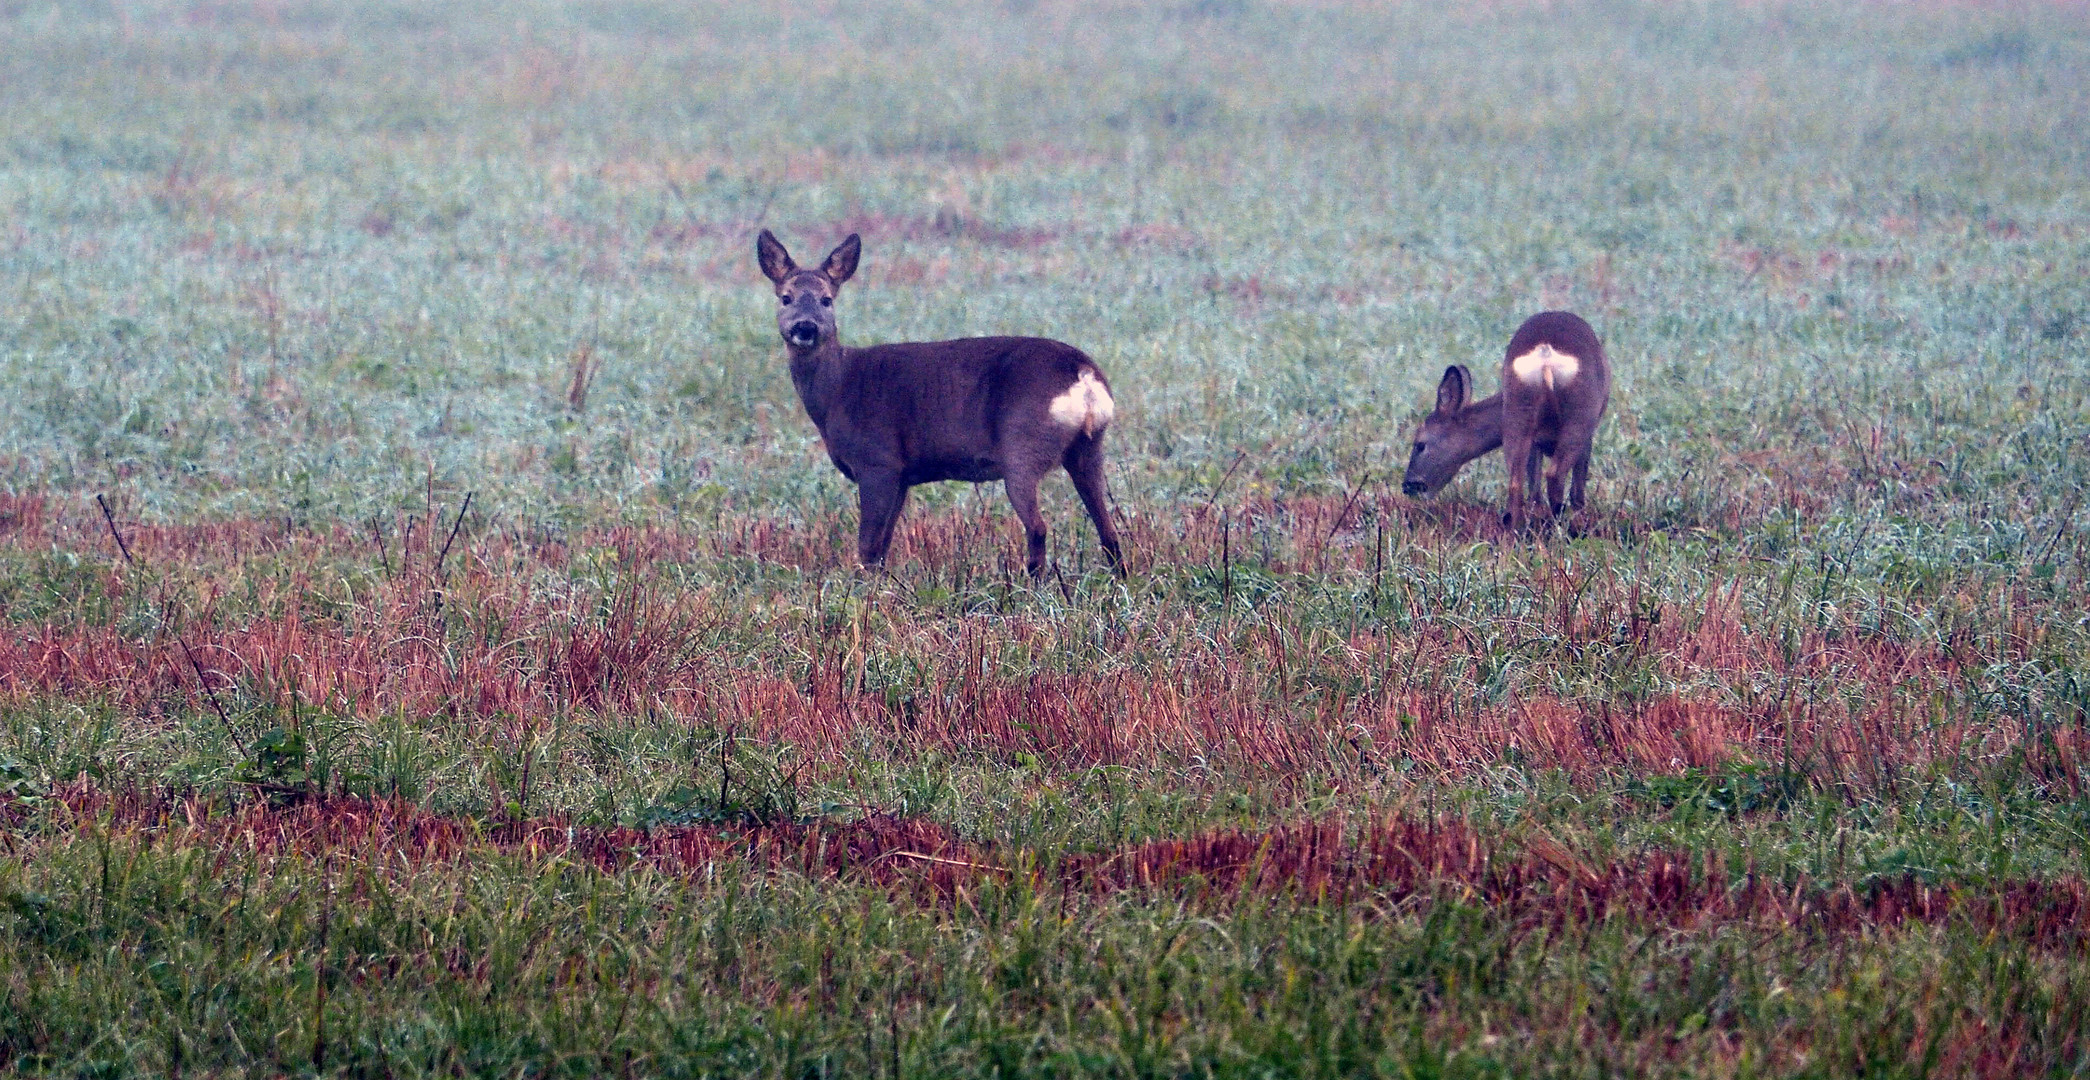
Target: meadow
x=430, y=639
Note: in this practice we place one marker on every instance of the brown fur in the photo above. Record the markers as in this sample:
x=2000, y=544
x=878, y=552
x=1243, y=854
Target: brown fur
x=902, y=414
x=1559, y=422
x=1456, y=432
x=1528, y=420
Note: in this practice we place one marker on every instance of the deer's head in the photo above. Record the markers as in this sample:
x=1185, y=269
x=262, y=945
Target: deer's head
x=1455, y=433
x=806, y=298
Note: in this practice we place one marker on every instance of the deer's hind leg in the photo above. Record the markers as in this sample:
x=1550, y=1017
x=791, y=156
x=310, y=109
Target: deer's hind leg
x=1084, y=463
x=1022, y=485
x=1522, y=458
x=1581, y=481
x=1576, y=442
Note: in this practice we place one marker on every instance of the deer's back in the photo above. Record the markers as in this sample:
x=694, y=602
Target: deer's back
x=947, y=409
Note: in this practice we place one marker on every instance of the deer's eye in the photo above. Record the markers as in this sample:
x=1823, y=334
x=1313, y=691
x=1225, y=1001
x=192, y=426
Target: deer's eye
x=827, y=301
x=1418, y=448
x=784, y=299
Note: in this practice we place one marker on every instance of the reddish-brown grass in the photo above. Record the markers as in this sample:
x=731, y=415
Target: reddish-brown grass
x=475, y=642
x=1532, y=881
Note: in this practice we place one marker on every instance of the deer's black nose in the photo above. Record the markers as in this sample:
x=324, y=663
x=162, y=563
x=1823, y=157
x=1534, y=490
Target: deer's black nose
x=804, y=332
x=1413, y=487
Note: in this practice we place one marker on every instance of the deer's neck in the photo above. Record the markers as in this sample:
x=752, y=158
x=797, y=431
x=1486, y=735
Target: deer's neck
x=1484, y=418
x=814, y=374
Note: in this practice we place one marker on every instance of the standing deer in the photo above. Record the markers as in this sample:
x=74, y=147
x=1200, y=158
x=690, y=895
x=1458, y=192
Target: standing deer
x=893, y=416
x=1555, y=384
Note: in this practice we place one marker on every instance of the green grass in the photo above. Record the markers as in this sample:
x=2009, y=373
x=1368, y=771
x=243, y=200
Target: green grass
x=482, y=969
x=284, y=282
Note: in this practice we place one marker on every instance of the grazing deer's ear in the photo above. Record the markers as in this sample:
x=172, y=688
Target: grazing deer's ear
x=1453, y=391
x=776, y=262
x=841, y=262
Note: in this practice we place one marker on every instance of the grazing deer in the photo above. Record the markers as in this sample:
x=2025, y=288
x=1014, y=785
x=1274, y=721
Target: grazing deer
x=978, y=409
x=1555, y=384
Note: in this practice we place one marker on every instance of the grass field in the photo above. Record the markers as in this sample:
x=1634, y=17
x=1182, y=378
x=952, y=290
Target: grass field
x=471, y=676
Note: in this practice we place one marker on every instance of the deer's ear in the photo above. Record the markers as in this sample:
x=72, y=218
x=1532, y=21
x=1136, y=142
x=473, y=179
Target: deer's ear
x=776, y=262
x=1453, y=391
x=841, y=262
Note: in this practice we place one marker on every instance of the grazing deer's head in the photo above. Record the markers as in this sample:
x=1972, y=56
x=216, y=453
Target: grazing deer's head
x=1455, y=433
x=806, y=298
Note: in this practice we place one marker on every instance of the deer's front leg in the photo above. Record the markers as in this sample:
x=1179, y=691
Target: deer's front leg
x=880, y=495
x=1556, y=485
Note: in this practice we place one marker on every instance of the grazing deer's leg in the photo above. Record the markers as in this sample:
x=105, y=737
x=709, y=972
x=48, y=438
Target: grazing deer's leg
x=1581, y=480
x=880, y=495
x=1532, y=475
x=1576, y=439
x=1023, y=495
x=1556, y=480
x=1516, y=446
x=1084, y=463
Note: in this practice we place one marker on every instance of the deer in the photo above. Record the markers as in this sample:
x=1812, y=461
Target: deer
x=977, y=409
x=1555, y=385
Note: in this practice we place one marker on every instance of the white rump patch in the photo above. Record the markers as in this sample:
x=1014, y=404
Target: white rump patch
x=1085, y=406
x=1547, y=365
